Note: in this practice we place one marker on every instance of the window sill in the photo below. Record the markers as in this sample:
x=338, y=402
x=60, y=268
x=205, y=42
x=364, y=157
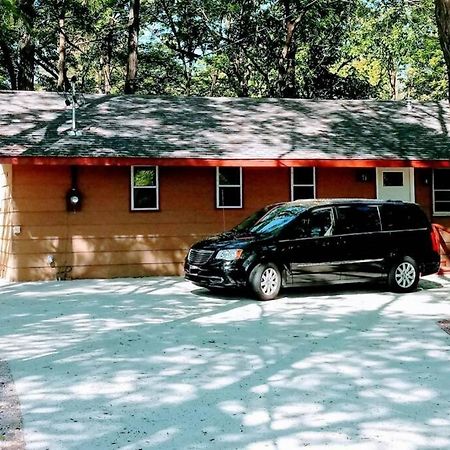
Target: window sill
x=145, y=210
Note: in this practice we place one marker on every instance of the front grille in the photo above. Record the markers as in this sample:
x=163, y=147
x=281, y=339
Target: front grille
x=199, y=257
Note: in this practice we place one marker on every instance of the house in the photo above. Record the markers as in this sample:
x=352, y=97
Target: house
x=141, y=178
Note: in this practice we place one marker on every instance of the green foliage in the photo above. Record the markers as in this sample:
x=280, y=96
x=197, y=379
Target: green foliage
x=353, y=49
x=144, y=177
x=393, y=45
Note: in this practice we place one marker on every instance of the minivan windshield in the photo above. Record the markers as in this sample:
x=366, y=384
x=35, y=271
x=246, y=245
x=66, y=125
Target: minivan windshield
x=270, y=220
x=251, y=220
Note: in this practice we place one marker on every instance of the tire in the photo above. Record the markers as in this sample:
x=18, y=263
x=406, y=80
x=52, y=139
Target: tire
x=265, y=281
x=404, y=275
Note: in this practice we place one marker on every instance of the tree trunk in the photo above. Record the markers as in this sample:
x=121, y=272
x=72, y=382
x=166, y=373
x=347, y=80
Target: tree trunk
x=287, y=85
x=63, y=81
x=106, y=66
x=133, y=34
x=393, y=82
x=25, y=76
x=240, y=74
x=9, y=62
x=442, y=11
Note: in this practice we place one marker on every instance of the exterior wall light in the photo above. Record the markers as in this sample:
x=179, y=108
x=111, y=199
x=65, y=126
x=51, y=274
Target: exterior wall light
x=425, y=176
x=364, y=175
x=74, y=198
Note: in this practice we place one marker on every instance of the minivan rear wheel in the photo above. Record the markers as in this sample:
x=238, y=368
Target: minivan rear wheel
x=265, y=281
x=404, y=275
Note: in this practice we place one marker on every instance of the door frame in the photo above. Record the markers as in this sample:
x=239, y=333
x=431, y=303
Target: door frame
x=410, y=170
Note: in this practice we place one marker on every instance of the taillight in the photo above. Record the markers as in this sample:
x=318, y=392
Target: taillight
x=435, y=239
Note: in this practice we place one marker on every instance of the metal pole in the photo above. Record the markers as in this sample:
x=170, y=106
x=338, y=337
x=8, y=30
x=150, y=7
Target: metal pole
x=74, y=125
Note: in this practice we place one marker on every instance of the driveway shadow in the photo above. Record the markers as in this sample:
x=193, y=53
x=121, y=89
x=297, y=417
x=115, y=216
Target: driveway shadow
x=156, y=363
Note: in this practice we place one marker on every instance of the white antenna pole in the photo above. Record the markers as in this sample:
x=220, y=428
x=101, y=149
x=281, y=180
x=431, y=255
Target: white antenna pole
x=73, y=101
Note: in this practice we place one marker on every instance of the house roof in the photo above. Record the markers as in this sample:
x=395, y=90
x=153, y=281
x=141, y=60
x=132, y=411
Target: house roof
x=34, y=129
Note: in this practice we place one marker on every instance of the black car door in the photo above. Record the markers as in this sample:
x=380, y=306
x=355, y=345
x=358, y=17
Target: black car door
x=362, y=244
x=309, y=248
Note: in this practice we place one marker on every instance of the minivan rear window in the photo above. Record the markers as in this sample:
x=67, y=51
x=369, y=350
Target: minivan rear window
x=402, y=217
x=357, y=219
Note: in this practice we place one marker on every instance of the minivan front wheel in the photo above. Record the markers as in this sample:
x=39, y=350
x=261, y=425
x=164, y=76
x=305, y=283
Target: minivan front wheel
x=265, y=281
x=404, y=275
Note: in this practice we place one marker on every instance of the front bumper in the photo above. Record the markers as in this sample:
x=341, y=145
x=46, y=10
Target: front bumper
x=228, y=274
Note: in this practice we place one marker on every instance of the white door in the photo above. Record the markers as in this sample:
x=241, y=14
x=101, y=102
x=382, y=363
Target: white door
x=395, y=184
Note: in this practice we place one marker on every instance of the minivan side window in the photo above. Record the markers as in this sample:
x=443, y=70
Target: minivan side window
x=357, y=219
x=320, y=223
x=312, y=224
x=402, y=217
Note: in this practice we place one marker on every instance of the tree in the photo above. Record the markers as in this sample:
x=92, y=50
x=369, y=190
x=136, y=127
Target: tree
x=25, y=76
x=17, y=45
x=393, y=46
x=256, y=48
x=133, y=39
x=442, y=12
x=8, y=13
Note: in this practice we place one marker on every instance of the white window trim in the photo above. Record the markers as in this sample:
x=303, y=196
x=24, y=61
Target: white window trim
x=133, y=208
x=303, y=185
x=228, y=185
x=438, y=213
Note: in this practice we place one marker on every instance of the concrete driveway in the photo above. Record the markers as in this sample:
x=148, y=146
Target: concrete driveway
x=157, y=363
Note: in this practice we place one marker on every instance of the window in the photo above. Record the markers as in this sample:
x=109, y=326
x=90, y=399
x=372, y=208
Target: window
x=441, y=192
x=320, y=223
x=144, y=188
x=402, y=217
x=393, y=179
x=357, y=219
x=229, y=187
x=277, y=219
x=317, y=223
x=303, y=183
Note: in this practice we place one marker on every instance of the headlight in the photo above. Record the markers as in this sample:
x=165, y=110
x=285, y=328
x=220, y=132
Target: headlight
x=230, y=254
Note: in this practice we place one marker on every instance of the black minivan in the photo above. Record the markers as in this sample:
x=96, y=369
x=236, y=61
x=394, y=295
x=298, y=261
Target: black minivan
x=319, y=241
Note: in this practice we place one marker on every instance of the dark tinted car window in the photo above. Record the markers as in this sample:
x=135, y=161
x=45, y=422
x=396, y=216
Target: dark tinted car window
x=357, y=219
x=402, y=217
x=311, y=224
x=320, y=223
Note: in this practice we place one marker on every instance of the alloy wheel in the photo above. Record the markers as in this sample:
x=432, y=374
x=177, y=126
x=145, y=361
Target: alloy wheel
x=405, y=275
x=269, y=281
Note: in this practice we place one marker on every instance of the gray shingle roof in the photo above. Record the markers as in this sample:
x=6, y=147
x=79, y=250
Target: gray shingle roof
x=36, y=124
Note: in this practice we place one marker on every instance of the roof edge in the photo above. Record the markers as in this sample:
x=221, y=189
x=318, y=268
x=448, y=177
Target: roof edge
x=204, y=162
